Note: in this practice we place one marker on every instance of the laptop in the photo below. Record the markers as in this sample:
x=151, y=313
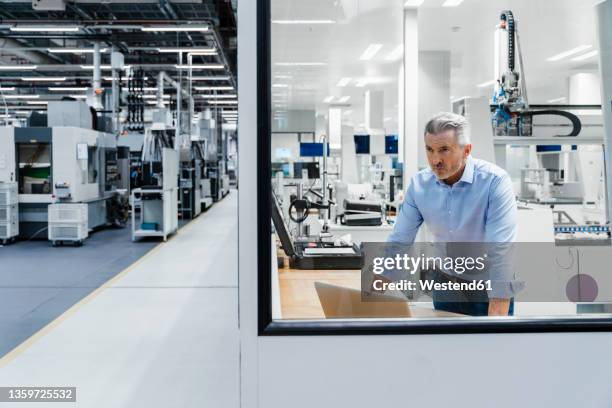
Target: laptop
x=314, y=255
x=342, y=302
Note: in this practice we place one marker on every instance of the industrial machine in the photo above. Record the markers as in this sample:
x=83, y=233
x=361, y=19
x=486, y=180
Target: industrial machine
x=513, y=116
x=9, y=212
x=66, y=162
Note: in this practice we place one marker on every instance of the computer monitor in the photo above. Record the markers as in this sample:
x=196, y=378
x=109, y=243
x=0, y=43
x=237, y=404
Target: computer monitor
x=281, y=227
x=362, y=144
x=312, y=149
x=391, y=144
x=281, y=167
x=312, y=169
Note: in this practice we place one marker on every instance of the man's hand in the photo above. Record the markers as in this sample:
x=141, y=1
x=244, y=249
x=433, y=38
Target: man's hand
x=499, y=307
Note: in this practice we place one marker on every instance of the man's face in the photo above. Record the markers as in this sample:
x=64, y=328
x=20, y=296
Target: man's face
x=445, y=155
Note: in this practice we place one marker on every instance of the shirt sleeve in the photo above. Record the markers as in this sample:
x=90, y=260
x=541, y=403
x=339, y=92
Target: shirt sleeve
x=500, y=234
x=408, y=220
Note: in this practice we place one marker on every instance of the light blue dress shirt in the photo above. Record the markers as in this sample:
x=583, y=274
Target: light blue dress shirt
x=480, y=207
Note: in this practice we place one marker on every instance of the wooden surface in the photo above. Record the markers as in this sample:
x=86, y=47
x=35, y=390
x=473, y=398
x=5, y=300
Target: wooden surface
x=299, y=299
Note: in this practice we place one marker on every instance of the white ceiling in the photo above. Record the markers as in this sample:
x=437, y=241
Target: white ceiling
x=546, y=28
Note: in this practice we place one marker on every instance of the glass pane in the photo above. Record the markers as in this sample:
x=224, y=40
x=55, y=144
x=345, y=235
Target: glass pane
x=412, y=144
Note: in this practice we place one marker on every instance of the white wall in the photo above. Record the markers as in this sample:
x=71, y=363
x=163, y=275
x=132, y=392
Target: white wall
x=471, y=370
x=295, y=121
x=434, y=91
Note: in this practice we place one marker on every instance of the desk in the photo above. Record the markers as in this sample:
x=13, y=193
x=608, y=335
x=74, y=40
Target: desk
x=299, y=299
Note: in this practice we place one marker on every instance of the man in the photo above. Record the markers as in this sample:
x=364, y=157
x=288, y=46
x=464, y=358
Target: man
x=460, y=199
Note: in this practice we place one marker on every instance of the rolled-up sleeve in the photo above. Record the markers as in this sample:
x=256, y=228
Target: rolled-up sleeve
x=500, y=234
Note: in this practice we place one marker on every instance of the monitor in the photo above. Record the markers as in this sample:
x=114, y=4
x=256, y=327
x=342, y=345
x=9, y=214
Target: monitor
x=311, y=167
x=391, y=144
x=312, y=149
x=362, y=144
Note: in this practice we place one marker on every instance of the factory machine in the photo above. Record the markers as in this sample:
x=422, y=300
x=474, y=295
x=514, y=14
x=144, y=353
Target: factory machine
x=66, y=174
x=215, y=181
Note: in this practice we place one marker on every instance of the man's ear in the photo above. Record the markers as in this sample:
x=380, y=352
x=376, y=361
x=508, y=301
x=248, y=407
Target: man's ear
x=467, y=150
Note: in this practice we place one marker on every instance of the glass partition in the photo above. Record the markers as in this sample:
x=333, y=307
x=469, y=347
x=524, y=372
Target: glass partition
x=434, y=161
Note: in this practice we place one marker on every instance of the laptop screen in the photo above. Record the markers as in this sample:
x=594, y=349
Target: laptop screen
x=281, y=227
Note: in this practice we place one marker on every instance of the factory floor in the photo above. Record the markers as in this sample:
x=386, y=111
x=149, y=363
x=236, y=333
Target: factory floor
x=163, y=332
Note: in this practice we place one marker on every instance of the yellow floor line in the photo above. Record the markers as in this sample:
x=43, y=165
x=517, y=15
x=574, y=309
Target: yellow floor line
x=11, y=355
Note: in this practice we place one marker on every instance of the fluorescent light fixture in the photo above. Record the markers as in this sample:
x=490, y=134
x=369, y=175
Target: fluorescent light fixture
x=223, y=102
x=18, y=67
x=569, y=53
x=396, y=54
x=557, y=100
x=485, y=84
x=74, y=50
x=300, y=64
x=211, y=78
x=452, y=3
x=154, y=96
x=200, y=66
x=46, y=29
x=328, y=99
x=43, y=79
x=370, y=52
x=388, y=119
x=9, y=88
x=67, y=89
x=22, y=96
x=209, y=96
x=344, y=99
x=343, y=82
x=169, y=28
x=37, y=102
x=190, y=50
x=155, y=102
x=286, y=22
x=123, y=78
x=413, y=3
x=586, y=56
x=78, y=96
x=213, y=88
x=363, y=82
x=280, y=86
x=283, y=76
x=105, y=67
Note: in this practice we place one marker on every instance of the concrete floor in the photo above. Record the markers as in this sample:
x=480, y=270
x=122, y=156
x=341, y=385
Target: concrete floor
x=162, y=333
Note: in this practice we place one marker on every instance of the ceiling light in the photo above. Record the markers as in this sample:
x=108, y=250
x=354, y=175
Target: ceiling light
x=328, y=99
x=10, y=88
x=211, y=78
x=303, y=21
x=413, y=3
x=452, y=3
x=175, y=28
x=343, y=82
x=67, y=89
x=74, y=50
x=569, y=53
x=210, y=96
x=586, y=56
x=396, y=54
x=78, y=96
x=47, y=29
x=280, y=86
x=44, y=79
x=106, y=67
x=155, y=102
x=37, y=102
x=223, y=102
x=300, y=64
x=370, y=52
x=190, y=50
x=200, y=66
x=123, y=78
x=388, y=119
x=18, y=67
x=21, y=96
x=344, y=99
x=213, y=88
x=362, y=82
x=557, y=100
x=283, y=76
x=154, y=96
x=485, y=84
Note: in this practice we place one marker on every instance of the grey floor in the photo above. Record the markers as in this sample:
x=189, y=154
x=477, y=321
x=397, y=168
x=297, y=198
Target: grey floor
x=162, y=334
x=39, y=282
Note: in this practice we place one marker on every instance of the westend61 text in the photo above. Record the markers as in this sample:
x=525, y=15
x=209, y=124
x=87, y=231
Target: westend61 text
x=429, y=285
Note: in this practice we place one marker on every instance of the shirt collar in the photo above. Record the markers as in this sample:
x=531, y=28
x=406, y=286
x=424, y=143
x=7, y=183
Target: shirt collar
x=468, y=172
